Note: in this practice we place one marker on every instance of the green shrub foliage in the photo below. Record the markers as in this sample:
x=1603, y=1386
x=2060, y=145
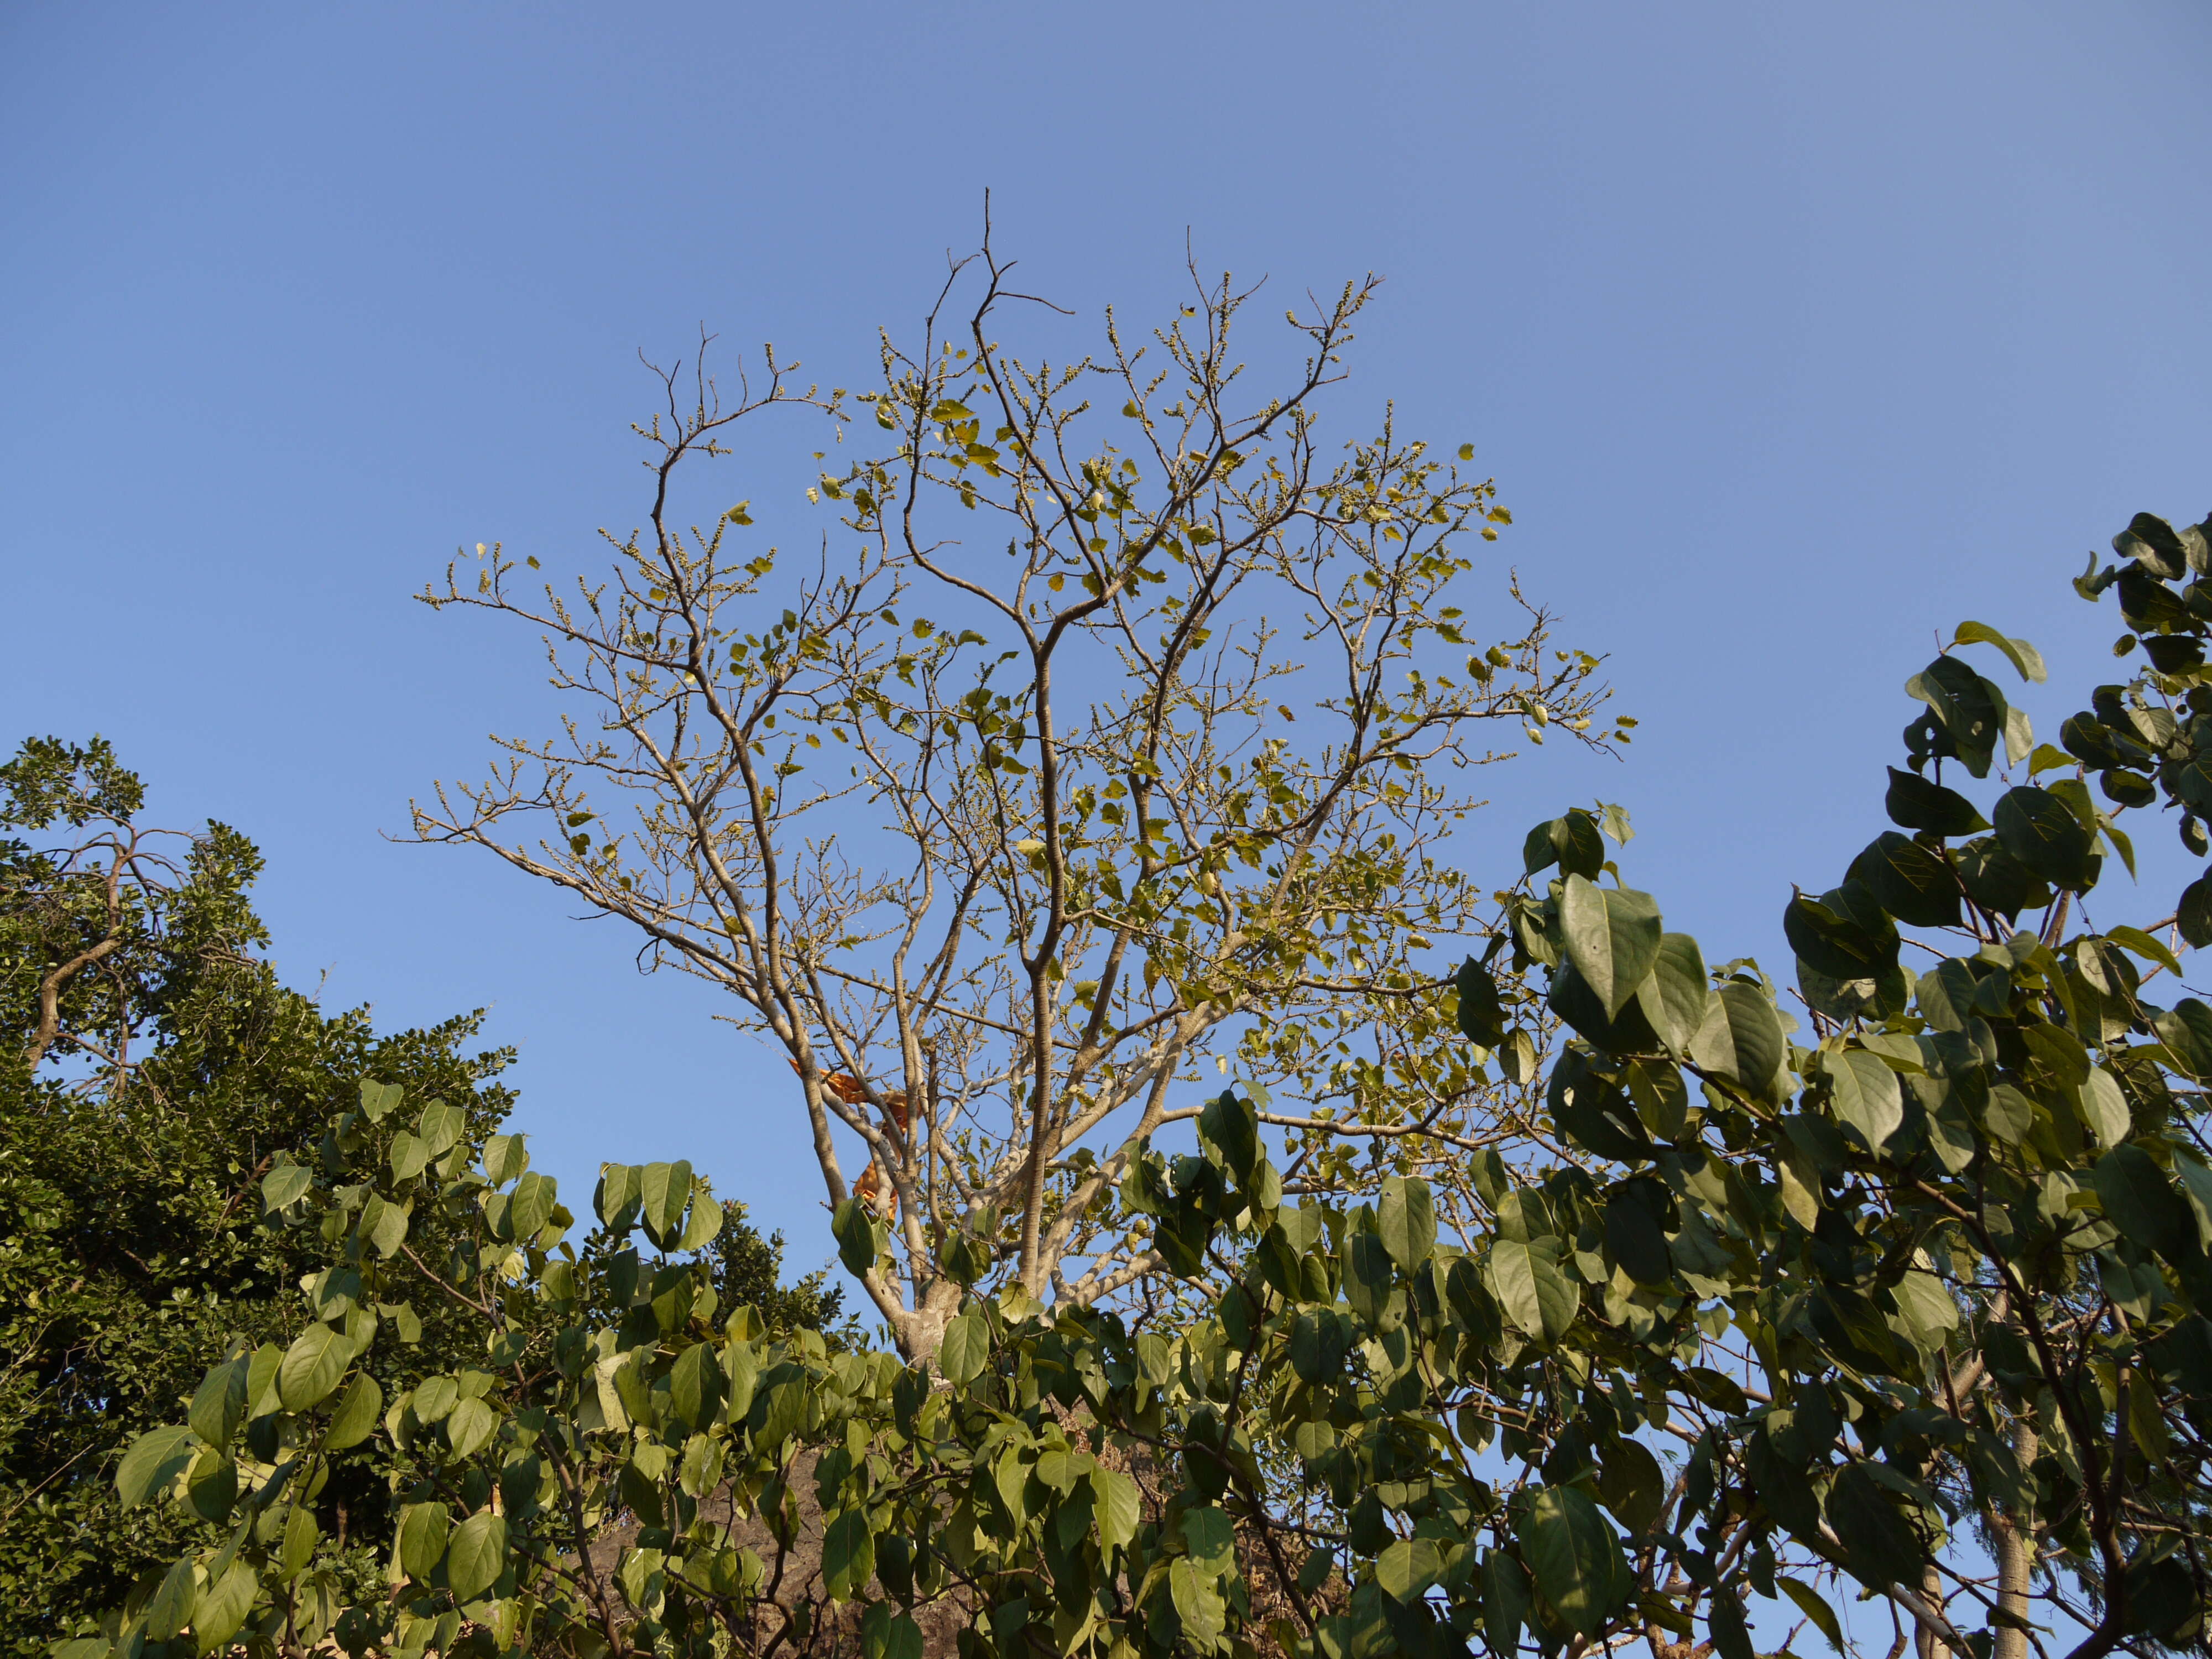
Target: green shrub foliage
x=1904, y=1299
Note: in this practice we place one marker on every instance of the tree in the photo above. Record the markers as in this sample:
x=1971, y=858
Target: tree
x=1001, y=824
x=1756, y=1320
x=152, y=1071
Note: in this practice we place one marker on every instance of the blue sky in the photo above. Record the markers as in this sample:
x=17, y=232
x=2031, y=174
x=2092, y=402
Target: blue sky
x=1792, y=335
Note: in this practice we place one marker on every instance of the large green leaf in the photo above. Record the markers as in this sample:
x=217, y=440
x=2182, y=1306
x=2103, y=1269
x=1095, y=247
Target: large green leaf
x=355, y=1419
x=219, y=1403
x=223, y=1605
x=311, y=1367
x=1407, y=1217
x=1575, y=1557
x=421, y=1541
x=663, y=1190
x=1572, y=842
x=1909, y=881
x=1742, y=1040
x=1878, y=1541
x=1539, y=1299
x=1917, y=804
x=1197, y=1603
x=694, y=1386
x=2141, y=1202
x=1481, y=1016
x=848, y=1554
x=1612, y=937
x=1115, y=1507
x=2043, y=833
x=1676, y=997
x=1969, y=710
x=476, y=1556
x=1635, y=1232
x=2022, y=655
x=966, y=1348
x=152, y=1465
x=1866, y=1097
x=1408, y=1567
x=859, y=1235
x=1844, y=934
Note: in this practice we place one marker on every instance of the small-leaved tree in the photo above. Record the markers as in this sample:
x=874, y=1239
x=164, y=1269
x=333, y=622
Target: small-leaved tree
x=1115, y=729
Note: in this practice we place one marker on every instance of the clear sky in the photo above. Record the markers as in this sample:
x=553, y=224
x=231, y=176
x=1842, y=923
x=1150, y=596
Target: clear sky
x=1793, y=335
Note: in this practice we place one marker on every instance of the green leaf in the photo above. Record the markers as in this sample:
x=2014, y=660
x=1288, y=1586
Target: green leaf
x=616, y=1200
x=378, y=1100
x=285, y=1186
x=2022, y=655
x=966, y=1348
x=665, y=1189
x=1210, y=1539
x=1632, y=1484
x=311, y=1367
x=858, y=1235
x=1198, y=1604
x=1575, y=1557
x=2104, y=1108
x=1678, y=996
x=478, y=1555
x=1865, y=1095
x=1909, y=881
x=1318, y=1345
x=1844, y=934
x=152, y=1465
x=694, y=1386
x=2038, y=830
x=219, y=1403
x=409, y=1155
x=1408, y=1220
x=1635, y=1235
x=701, y=1227
x=225, y=1601
x=1742, y=1040
x=1481, y=1016
x=888, y=1634
x=1571, y=842
x=2193, y=916
x=1913, y=803
x=1539, y=1299
x=531, y=1205
x=440, y=1126
x=383, y=1224
x=1997, y=881
x=2140, y=1201
x=1408, y=1568
x=848, y=1554
x=1730, y=1632
x=421, y=1540
x=355, y=1419
x=1878, y=1542
x=1228, y=1125
x=2150, y=948
x=1366, y=1273
x=171, y=1607
x=211, y=1484
x=1612, y=937
x=470, y=1427
x=1968, y=710
x=1114, y=1508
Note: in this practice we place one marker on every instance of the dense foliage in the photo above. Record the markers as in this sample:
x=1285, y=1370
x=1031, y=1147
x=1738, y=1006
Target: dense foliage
x=153, y=1070
x=1910, y=1305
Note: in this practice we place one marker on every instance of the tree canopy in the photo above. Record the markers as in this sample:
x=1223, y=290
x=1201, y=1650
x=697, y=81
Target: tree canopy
x=1114, y=732
x=154, y=1072
x=1906, y=1300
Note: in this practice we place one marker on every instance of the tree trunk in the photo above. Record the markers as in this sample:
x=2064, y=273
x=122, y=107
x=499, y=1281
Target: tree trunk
x=2016, y=1541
